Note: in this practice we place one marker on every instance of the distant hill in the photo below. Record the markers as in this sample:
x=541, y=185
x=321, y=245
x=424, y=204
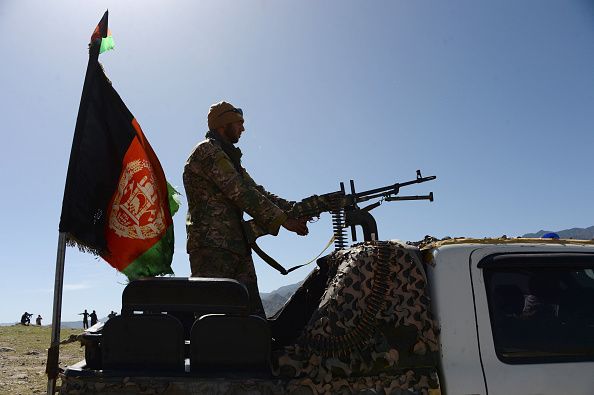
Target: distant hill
x=77, y=324
x=276, y=299
x=64, y=324
x=573, y=233
x=72, y=324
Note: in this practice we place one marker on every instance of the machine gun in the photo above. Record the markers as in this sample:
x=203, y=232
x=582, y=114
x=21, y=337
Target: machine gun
x=346, y=212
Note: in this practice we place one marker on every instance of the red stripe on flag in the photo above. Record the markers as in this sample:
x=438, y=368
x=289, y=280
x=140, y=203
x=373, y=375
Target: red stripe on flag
x=138, y=214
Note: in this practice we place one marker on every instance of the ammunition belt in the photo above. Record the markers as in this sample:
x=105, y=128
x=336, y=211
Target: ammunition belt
x=364, y=329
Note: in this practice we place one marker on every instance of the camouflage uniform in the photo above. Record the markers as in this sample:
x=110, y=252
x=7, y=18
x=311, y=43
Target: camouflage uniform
x=219, y=190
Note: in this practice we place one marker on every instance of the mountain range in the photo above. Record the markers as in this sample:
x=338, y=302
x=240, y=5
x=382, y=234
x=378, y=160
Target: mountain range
x=276, y=299
x=573, y=233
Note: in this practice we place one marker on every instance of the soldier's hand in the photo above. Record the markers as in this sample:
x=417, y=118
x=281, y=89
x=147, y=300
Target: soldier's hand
x=298, y=226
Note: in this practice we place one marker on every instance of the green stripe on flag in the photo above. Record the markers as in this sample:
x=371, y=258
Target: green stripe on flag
x=155, y=261
x=174, y=199
x=106, y=44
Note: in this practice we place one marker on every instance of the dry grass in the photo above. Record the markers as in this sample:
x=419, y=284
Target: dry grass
x=22, y=371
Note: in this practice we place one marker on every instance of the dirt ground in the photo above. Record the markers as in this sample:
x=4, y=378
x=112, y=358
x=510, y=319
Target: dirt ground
x=23, y=354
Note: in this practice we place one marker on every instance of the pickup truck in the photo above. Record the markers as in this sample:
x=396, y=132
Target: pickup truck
x=516, y=316
x=458, y=316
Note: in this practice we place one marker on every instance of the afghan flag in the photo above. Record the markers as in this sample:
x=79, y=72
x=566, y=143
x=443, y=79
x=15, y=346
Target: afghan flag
x=117, y=202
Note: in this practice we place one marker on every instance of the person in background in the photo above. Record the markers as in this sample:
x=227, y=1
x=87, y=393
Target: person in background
x=26, y=318
x=93, y=316
x=85, y=315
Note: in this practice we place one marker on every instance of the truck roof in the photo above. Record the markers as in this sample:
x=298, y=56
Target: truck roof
x=427, y=249
x=503, y=240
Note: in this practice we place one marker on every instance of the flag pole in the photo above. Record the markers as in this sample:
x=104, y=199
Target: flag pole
x=53, y=353
x=54, y=350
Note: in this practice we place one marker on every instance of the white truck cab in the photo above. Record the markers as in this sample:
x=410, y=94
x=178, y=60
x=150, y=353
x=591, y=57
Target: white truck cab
x=516, y=316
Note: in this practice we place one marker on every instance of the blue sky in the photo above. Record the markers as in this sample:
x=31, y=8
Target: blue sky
x=495, y=98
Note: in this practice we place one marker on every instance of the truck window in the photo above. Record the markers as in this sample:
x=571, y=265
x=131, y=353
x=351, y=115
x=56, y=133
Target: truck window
x=541, y=314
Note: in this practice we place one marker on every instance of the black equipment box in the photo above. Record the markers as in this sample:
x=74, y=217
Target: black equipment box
x=150, y=342
x=169, y=321
x=176, y=294
x=185, y=298
x=219, y=341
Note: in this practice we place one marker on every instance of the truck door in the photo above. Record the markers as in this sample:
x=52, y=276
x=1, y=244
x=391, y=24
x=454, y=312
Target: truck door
x=535, y=320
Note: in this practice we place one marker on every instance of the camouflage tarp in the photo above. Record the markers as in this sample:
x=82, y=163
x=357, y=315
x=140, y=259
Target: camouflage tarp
x=374, y=320
x=387, y=385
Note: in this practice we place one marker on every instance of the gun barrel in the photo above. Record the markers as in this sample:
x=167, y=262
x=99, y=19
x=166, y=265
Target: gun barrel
x=389, y=190
x=417, y=181
x=416, y=197
x=375, y=191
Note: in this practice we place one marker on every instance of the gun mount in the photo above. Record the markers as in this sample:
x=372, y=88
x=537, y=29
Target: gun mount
x=352, y=215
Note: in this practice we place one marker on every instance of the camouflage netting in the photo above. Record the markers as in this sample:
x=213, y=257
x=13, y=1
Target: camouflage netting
x=385, y=385
x=372, y=329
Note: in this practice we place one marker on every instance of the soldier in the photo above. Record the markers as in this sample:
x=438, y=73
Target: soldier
x=85, y=315
x=26, y=318
x=219, y=190
x=93, y=317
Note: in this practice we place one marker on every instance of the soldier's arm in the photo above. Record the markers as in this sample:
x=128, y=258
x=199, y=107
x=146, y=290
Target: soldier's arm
x=253, y=230
x=217, y=166
x=294, y=224
x=285, y=205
